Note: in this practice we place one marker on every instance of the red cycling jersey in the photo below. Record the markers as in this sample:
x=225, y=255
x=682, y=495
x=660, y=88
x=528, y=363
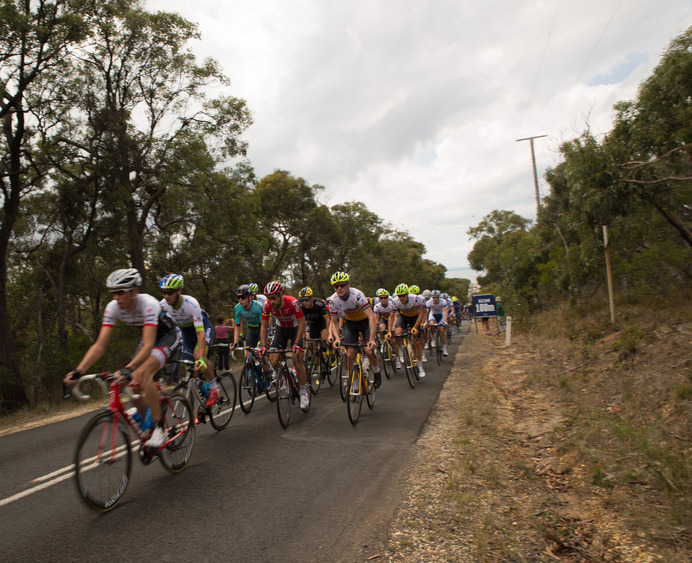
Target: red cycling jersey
x=287, y=315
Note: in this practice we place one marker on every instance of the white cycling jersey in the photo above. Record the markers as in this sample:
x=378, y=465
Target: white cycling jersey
x=189, y=313
x=408, y=309
x=436, y=308
x=352, y=308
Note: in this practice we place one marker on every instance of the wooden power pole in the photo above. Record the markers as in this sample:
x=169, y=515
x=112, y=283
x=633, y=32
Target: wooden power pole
x=535, y=174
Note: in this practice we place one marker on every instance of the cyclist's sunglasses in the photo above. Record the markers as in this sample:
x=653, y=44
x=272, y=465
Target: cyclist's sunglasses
x=340, y=285
x=305, y=299
x=169, y=291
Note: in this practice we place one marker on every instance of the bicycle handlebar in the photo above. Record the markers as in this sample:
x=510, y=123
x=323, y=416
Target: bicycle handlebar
x=101, y=378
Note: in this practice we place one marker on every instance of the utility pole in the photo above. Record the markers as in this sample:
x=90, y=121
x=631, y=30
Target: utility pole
x=535, y=174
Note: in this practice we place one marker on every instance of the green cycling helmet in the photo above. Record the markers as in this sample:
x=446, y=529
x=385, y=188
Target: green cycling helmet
x=171, y=281
x=401, y=289
x=382, y=292
x=339, y=277
x=414, y=289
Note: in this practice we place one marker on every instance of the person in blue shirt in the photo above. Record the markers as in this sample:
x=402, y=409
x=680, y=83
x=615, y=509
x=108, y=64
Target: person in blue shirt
x=249, y=310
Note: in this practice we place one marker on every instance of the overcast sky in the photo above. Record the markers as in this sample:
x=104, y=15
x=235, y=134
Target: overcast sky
x=414, y=107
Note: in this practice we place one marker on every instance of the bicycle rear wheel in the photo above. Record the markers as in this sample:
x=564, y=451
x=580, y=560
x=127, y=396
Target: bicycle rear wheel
x=103, y=461
x=247, y=389
x=355, y=395
x=270, y=385
x=180, y=430
x=283, y=397
x=221, y=413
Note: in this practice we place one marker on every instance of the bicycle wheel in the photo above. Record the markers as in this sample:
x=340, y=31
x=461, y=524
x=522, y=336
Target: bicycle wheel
x=180, y=430
x=369, y=378
x=247, y=389
x=283, y=397
x=438, y=347
x=270, y=385
x=385, y=360
x=222, y=412
x=103, y=461
x=315, y=374
x=411, y=374
x=329, y=364
x=342, y=374
x=355, y=396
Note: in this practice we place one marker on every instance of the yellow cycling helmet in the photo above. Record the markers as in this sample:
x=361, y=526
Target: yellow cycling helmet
x=401, y=289
x=339, y=277
x=305, y=293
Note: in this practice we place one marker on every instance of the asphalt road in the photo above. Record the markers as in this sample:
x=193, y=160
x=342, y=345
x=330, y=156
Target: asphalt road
x=321, y=490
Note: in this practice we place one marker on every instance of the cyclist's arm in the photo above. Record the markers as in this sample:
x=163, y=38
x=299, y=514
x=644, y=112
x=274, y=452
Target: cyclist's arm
x=373, y=323
x=263, y=333
x=200, y=350
x=301, y=330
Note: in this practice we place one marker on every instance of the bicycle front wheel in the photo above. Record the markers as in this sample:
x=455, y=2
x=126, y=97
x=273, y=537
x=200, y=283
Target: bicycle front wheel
x=330, y=366
x=355, y=394
x=342, y=374
x=370, y=389
x=180, y=432
x=315, y=374
x=221, y=413
x=386, y=359
x=409, y=367
x=283, y=397
x=103, y=461
x=438, y=347
x=247, y=388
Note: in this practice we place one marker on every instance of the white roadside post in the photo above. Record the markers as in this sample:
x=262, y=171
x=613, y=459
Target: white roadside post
x=508, y=331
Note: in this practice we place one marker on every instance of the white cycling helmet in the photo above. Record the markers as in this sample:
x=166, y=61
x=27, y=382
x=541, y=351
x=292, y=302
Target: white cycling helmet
x=127, y=278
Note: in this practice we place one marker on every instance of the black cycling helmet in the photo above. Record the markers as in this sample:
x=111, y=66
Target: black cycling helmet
x=243, y=291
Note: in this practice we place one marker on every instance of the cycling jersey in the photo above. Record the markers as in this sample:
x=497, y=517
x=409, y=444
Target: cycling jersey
x=147, y=312
x=287, y=315
x=352, y=308
x=384, y=311
x=436, y=308
x=316, y=313
x=408, y=309
x=188, y=315
x=252, y=316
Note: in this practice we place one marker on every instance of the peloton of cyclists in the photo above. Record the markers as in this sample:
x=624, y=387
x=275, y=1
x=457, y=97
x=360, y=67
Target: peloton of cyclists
x=160, y=339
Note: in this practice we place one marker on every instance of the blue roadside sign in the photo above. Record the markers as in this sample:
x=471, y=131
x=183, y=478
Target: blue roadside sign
x=484, y=306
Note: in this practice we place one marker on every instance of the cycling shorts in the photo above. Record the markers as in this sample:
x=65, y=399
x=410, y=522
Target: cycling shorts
x=252, y=336
x=315, y=328
x=352, y=329
x=166, y=346
x=284, y=334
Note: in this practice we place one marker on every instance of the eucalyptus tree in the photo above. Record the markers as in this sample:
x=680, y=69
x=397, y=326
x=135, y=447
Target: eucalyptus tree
x=35, y=37
x=142, y=118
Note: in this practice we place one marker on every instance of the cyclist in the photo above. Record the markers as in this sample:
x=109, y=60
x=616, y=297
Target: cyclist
x=351, y=305
x=195, y=326
x=290, y=326
x=382, y=310
x=409, y=314
x=415, y=290
x=316, y=312
x=250, y=310
x=159, y=339
x=438, y=316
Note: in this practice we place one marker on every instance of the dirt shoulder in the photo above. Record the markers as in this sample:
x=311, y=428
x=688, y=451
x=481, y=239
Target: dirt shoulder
x=528, y=459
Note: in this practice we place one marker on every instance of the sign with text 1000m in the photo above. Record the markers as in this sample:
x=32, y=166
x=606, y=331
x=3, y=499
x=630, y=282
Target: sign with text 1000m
x=484, y=306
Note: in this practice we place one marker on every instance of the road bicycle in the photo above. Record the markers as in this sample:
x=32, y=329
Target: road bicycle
x=361, y=381
x=319, y=363
x=435, y=342
x=384, y=349
x=410, y=358
x=254, y=381
x=287, y=388
x=195, y=388
x=103, y=456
